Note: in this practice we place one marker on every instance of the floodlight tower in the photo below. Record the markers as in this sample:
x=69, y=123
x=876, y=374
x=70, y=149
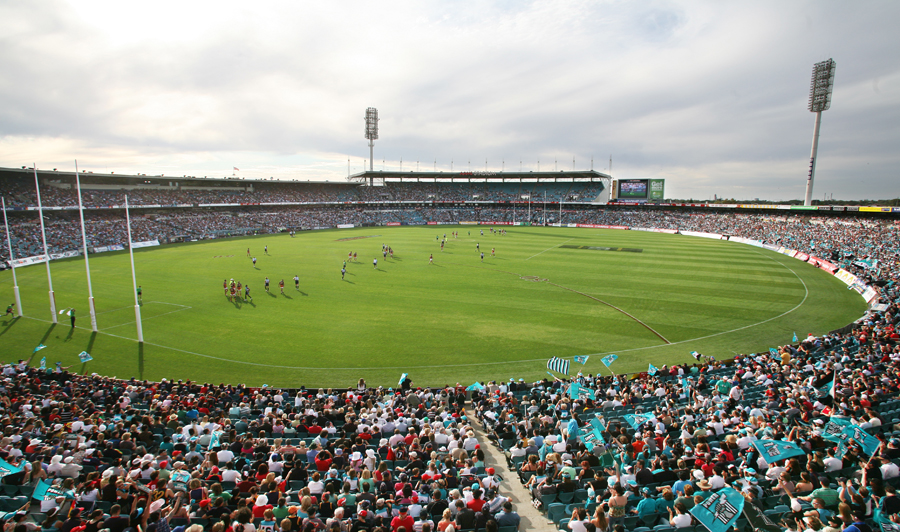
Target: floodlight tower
x=372, y=135
x=819, y=100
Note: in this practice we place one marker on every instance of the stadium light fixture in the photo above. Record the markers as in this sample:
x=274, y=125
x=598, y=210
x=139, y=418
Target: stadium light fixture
x=371, y=135
x=820, y=89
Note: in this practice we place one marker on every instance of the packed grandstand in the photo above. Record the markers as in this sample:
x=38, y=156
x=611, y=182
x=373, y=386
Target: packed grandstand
x=89, y=453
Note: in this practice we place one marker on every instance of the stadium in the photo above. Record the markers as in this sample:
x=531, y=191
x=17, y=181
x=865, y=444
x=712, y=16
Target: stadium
x=840, y=295
x=407, y=342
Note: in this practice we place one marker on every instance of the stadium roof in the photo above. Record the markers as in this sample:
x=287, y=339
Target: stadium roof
x=580, y=175
x=137, y=179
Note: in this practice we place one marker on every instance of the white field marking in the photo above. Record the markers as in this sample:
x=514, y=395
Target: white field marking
x=114, y=310
x=785, y=313
x=805, y=297
x=183, y=307
x=548, y=249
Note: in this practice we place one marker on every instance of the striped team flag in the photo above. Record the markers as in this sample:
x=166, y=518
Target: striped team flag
x=558, y=365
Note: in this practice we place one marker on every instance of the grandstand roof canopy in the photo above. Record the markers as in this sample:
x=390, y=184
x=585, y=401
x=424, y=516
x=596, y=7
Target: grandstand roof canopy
x=144, y=179
x=382, y=176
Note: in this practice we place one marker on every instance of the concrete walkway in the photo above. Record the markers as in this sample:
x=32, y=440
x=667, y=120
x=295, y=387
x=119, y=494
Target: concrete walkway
x=511, y=487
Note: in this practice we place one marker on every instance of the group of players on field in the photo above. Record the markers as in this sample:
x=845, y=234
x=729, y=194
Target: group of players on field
x=233, y=289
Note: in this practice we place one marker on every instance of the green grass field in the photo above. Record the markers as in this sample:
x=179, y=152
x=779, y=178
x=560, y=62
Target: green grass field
x=456, y=320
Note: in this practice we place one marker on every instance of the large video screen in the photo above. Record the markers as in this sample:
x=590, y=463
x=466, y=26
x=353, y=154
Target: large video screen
x=633, y=188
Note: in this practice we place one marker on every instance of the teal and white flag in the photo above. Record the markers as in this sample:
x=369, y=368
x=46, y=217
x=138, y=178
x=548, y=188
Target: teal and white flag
x=43, y=363
x=475, y=387
x=577, y=391
x=592, y=439
x=38, y=348
x=773, y=352
x=636, y=420
x=687, y=388
x=581, y=359
x=795, y=337
x=866, y=441
x=652, y=370
x=720, y=510
x=7, y=469
x=47, y=492
x=84, y=356
x=402, y=378
x=180, y=479
x=558, y=365
x=216, y=439
x=609, y=359
x=834, y=429
x=775, y=450
x=888, y=526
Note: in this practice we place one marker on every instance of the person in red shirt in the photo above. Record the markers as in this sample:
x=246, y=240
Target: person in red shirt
x=403, y=520
x=477, y=502
x=323, y=461
x=260, y=507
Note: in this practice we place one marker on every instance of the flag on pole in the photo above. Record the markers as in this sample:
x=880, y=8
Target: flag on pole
x=558, y=365
x=236, y=169
x=687, y=388
x=577, y=391
x=609, y=359
x=47, y=492
x=888, y=526
x=866, y=441
x=696, y=355
x=720, y=510
x=592, y=439
x=652, y=370
x=760, y=521
x=43, y=363
x=215, y=439
x=795, y=337
x=773, y=352
x=636, y=420
x=84, y=356
x=582, y=359
x=834, y=429
x=402, y=378
x=180, y=479
x=775, y=450
x=7, y=469
x=38, y=348
x=475, y=387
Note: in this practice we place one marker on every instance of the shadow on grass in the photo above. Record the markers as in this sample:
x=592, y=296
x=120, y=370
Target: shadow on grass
x=90, y=344
x=287, y=296
x=69, y=336
x=271, y=294
x=9, y=323
x=302, y=293
x=348, y=281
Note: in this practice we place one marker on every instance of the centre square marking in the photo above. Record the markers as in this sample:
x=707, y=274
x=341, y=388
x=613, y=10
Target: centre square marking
x=601, y=248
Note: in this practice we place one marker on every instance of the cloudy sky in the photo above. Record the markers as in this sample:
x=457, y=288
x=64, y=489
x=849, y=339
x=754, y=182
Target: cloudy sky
x=711, y=96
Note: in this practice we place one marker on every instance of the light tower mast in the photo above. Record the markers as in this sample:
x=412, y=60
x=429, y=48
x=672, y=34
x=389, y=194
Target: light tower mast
x=819, y=100
x=372, y=135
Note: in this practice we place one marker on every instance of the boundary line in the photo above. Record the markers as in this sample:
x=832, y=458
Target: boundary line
x=548, y=249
